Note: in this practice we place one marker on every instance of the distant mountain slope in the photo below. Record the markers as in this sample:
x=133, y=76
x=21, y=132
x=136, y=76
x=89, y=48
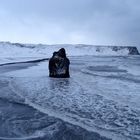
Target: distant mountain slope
x=8, y=49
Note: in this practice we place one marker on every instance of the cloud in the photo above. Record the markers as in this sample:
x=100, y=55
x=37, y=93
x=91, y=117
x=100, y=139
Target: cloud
x=69, y=21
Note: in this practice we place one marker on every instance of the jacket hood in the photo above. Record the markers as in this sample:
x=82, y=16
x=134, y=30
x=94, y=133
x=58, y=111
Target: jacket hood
x=62, y=52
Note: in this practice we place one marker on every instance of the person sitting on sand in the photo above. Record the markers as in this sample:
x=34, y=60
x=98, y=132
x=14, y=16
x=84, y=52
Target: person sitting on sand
x=59, y=65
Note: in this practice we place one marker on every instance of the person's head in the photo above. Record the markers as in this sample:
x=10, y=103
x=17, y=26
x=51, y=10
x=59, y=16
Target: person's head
x=54, y=53
x=62, y=52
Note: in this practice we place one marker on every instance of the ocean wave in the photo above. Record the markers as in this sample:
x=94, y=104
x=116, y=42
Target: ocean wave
x=74, y=109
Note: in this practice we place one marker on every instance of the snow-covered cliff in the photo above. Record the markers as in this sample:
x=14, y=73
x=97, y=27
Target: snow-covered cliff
x=8, y=49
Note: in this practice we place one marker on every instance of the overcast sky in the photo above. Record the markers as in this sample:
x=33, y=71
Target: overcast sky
x=108, y=22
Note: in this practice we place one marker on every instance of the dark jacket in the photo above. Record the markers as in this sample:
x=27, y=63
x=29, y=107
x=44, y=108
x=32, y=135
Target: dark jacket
x=59, y=65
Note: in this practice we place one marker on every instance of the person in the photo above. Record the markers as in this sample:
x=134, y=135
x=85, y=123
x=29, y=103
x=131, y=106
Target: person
x=59, y=65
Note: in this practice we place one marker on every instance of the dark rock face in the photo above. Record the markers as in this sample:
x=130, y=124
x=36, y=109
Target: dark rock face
x=133, y=51
x=116, y=48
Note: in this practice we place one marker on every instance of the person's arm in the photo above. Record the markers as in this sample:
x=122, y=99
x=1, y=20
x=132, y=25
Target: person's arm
x=50, y=64
x=52, y=67
x=66, y=65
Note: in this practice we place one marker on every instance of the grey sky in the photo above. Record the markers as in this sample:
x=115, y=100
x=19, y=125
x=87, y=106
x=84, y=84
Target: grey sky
x=112, y=22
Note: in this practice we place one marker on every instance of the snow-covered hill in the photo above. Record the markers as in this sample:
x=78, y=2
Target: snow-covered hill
x=12, y=50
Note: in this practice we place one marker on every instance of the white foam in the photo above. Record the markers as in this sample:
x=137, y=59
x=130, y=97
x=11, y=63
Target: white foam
x=67, y=117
